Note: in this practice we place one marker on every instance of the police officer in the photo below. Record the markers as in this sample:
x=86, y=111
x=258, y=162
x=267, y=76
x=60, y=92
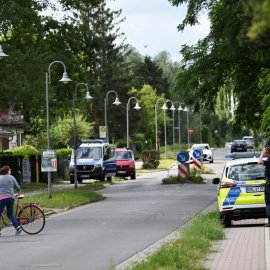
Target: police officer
x=266, y=163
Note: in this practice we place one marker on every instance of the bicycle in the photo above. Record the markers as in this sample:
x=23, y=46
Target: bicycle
x=30, y=217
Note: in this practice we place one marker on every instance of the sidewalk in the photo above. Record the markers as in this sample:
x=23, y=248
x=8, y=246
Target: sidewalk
x=246, y=247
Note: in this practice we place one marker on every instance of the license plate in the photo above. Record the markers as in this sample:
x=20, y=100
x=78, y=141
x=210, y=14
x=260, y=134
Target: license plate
x=121, y=171
x=85, y=176
x=239, y=148
x=256, y=189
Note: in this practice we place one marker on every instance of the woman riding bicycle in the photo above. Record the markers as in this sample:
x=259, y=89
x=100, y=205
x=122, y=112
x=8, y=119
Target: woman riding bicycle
x=7, y=196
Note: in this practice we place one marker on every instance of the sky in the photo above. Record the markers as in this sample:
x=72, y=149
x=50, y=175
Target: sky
x=151, y=26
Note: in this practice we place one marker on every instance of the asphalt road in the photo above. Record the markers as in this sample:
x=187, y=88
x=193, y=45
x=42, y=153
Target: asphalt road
x=134, y=215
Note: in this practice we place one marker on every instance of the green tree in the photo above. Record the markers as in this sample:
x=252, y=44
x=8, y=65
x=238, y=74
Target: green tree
x=226, y=57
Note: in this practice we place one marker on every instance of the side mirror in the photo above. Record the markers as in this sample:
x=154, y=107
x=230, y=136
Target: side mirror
x=69, y=157
x=215, y=181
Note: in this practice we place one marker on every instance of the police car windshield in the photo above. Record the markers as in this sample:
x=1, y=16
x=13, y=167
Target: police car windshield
x=243, y=172
x=123, y=155
x=89, y=153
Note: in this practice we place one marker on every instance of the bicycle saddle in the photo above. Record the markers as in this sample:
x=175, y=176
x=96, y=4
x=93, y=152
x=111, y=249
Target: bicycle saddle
x=20, y=196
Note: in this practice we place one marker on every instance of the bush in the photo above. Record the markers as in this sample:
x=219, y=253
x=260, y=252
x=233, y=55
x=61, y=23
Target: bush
x=151, y=156
x=148, y=165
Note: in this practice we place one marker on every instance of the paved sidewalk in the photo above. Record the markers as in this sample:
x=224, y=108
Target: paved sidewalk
x=244, y=247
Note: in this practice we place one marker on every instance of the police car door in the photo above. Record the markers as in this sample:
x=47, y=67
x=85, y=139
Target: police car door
x=110, y=160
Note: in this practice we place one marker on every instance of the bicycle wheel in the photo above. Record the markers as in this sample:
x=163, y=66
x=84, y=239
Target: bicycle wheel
x=32, y=219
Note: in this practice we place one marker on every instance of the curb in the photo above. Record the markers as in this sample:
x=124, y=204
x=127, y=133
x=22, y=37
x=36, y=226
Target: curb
x=267, y=247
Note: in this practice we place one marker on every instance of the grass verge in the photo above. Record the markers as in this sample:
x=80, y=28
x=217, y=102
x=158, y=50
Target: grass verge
x=67, y=197
x=191, y=249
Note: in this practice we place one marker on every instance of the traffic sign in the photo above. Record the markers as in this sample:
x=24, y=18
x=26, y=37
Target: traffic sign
x=182, y=157
x=190, y=130
x=197, y=153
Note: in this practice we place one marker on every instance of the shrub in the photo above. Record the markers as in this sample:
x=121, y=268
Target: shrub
x=148, y=165
x=151, y=156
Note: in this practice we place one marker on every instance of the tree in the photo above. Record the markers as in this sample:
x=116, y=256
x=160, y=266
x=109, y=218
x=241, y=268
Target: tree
x=226, y=57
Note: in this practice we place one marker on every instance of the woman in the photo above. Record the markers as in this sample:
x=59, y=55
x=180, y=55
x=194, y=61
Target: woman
x=7, y=197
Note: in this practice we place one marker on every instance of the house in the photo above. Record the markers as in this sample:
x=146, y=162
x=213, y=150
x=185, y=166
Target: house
x=12, y=127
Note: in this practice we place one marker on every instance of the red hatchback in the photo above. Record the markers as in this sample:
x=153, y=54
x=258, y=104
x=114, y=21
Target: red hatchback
x=125, y=163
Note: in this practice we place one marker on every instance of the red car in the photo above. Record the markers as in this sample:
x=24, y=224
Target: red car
x=125, y=163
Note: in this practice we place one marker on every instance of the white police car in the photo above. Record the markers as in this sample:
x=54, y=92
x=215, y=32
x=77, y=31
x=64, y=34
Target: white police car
x=241, y=189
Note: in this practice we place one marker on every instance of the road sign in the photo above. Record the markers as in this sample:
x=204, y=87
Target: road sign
x=197, y=153
x=190, y=130
x=197, y=164
x=183, y=170
x=182, y=157
x=78, y=142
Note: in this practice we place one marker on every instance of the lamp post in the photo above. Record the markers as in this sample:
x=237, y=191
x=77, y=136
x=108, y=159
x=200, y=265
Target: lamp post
x=179, y=135
x=116, y=102
x=186, y=110
x=2, y=54
x=156, y=107
x=165, y=132
x=137, y=107
x=65, y=79
x=88, y=96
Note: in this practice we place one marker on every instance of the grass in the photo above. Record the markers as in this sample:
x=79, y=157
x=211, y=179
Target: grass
x=191, y=249
x=67, y=197
x=164, y=164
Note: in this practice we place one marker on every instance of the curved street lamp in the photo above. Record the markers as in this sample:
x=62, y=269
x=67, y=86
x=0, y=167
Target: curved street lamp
x=187, y=110
x=137, y=107
x=179, y=135
x=87, y=97
x=165, y=132
x=2, y=54
x=65, y=79
x=156, y=108
x=116, y=102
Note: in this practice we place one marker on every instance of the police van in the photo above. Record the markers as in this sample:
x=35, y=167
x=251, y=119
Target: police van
x=95, y=159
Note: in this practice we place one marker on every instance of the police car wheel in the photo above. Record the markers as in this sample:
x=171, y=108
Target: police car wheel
x=226, y=222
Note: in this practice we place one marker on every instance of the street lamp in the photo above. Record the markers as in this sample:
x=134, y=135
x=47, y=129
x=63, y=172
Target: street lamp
x=87, y=97
x=156, y=107
x=2, y=54
x=116, y=102
x=65, y=79
x=165, y=132
x=137, y=107
x=186, y=110
x=179, y=135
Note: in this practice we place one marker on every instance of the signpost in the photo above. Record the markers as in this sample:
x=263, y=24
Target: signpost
x=183, y=167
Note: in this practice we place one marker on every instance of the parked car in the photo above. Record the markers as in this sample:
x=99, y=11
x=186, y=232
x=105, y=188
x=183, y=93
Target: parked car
x=249, y=141
x=239, y=146
x=241, y=190
x=207, y=152
x=125, y=163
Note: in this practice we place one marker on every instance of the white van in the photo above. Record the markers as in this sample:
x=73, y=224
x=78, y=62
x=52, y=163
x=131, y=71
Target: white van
x=249, y=141
x=95, y=160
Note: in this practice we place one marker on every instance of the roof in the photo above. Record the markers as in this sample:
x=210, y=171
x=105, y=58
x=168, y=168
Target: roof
x=241, y=161
x=251, y=154
x=10, y=118
x=6, y=133
x=123, y=149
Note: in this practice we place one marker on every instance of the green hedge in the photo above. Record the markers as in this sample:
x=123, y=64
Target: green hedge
x=14, y=160
x=151, y=156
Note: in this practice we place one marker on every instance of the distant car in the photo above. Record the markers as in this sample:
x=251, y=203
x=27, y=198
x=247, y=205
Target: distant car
x=125, y=163
x=239, y=146
x=207, y=152
x=241, y=190
x=249, y=141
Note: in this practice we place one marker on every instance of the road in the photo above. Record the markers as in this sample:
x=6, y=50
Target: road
x=134, y=215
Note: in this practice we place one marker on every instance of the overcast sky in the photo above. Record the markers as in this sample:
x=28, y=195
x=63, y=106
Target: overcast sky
x=153, y=23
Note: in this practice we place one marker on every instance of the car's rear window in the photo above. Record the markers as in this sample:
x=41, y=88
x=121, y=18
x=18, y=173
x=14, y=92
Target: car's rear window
x=122, y=155
x=245, y=172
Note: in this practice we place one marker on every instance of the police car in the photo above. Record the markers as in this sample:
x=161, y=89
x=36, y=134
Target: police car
x=241, y=189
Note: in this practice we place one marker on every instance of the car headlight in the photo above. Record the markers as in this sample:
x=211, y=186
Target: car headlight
x=98, y=165
x=71, y=167
x=131, y=166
